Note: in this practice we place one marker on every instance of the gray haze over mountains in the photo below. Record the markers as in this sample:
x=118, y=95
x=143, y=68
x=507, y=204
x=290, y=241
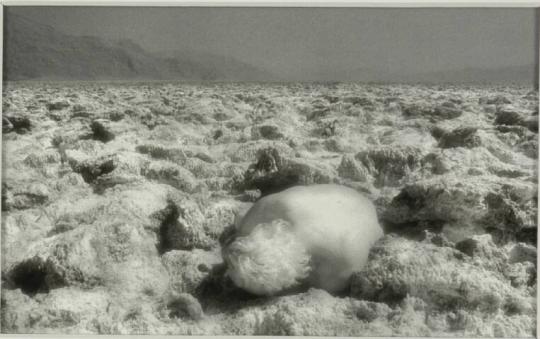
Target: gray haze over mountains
x=270, y=44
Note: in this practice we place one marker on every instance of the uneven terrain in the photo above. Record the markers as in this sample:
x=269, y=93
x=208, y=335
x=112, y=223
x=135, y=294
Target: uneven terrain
x=115, y=197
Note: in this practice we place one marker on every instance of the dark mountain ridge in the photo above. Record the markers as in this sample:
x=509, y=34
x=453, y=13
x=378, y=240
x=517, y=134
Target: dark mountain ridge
x=33, y=51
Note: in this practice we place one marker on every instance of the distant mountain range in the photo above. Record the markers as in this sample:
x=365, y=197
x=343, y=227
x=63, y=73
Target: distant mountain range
x=523, y=74
x=36, y=51
x=515, y=74
x=33, y=51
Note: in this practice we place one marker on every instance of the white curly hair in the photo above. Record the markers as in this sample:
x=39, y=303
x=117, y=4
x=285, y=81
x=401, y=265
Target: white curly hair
x=251, y=259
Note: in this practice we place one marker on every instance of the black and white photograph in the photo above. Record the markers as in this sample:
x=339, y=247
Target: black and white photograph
x=266, y=170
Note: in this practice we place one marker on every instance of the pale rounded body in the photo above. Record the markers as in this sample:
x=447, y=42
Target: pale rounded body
x=336, y=225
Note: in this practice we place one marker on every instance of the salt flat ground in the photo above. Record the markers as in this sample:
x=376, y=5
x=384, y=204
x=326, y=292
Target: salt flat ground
x=115, y=196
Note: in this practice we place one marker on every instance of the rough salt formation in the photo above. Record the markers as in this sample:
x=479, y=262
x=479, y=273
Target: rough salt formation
x=465, y=280
x=117, y=198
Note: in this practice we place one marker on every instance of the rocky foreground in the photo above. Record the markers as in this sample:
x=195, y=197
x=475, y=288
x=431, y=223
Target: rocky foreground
x=115, y=198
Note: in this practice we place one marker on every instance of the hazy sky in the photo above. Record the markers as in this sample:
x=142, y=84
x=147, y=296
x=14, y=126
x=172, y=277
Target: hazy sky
x=295, y=40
